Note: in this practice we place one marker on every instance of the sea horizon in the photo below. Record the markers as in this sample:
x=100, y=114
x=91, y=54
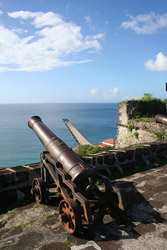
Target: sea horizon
x=20, y=145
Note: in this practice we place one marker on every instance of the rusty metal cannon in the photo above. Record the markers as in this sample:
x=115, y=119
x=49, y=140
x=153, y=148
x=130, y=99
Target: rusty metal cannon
x=64, y=172
x=161, y=119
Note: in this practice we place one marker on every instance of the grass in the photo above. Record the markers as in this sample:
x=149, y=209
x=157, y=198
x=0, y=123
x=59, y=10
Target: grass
x=37, y=205
x=21, y=225
x=69, y=244
x=143, y=118
x=160, y=134
x=26, y=224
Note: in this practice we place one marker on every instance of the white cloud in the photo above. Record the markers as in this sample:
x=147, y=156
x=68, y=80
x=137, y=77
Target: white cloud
x=47, y=47
x=146, y=24
x=160, y=64
x=89, y=22
x=19, y=31
x=111, y=93
x=94, y=91
x=1, y=12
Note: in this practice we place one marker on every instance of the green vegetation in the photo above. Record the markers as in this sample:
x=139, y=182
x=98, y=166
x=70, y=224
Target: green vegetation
x=147, y=98
x=37, y=205
x=98, y=182
x=89, y=149
x=136, y=134
x=130, y=127
x=11, y=212
x=150, y=98
x=66, y=233
x=26, y=224
x=139, y=145
x=159, y=134
x=21, y=225
x=144, y=118
x=69, y=244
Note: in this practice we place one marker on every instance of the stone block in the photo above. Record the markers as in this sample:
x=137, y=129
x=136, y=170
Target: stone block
x=100, y=160
x=127, y=167
x=147, y=150
x=130, y=154
x=109, y=159
x=138, y=153
x=121, y=156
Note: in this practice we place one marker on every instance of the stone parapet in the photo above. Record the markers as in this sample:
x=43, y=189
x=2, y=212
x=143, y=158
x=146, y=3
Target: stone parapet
x=15, y=182
x=122, y=161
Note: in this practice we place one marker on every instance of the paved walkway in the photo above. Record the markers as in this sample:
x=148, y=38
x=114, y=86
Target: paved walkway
x=142, y=227
x=77, y=135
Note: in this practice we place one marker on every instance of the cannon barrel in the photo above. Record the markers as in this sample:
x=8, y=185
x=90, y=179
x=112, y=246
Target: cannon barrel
x=161, y=119
x=70, y=161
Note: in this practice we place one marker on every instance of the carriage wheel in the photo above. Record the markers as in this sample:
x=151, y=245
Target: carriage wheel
x=39, y=190
x=69, y=215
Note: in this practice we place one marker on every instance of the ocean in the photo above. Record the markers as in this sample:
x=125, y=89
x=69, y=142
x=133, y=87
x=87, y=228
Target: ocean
x=19, y=144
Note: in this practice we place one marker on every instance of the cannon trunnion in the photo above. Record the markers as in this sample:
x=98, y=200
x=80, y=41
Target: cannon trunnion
x=63, y=172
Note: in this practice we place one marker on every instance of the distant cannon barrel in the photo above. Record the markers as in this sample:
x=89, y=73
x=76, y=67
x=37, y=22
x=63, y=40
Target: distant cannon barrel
x=70, y=161
x=161, y=119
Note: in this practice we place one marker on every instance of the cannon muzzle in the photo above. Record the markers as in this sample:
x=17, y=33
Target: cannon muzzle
x=71, y=162
x=161, y=119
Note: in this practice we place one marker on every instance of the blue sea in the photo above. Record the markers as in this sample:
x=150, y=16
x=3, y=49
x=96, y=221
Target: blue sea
x=19, y=144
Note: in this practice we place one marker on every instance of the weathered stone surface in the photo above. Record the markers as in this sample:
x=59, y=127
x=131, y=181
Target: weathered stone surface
x=146, y=130
x=142, y=226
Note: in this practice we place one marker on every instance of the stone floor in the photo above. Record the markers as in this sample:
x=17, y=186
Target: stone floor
x=142, y=226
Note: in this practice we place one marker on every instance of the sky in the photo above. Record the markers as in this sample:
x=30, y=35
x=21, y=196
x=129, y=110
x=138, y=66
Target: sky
x=67, y=51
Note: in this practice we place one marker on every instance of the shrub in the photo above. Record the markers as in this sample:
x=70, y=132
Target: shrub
x=89, y=149
x=136, y=134
x=84, y=149
x=130, y=127
x=149, y=98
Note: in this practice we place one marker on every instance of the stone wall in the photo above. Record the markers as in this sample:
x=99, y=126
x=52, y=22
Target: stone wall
x=123, y=161
x=148, y=109
x=141, y=131
x=15, y=182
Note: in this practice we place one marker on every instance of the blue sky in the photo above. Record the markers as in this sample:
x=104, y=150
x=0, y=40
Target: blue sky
x=82, y=50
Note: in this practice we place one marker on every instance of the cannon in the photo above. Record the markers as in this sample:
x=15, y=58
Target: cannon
x=64, y=173
x=161, y=119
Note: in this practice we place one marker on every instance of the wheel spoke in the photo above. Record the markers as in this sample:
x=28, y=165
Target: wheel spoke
x=73, y=222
